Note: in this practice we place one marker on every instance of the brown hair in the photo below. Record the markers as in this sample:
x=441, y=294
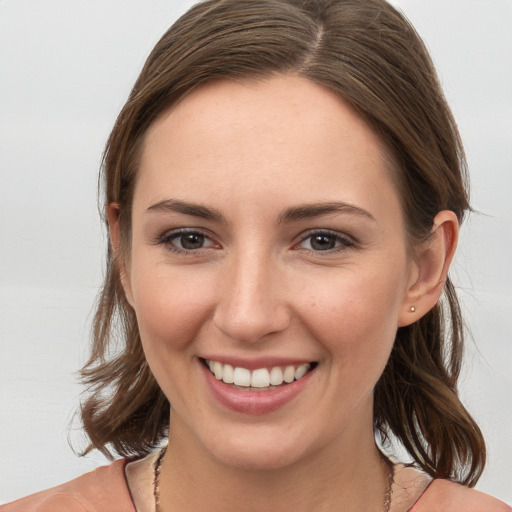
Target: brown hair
x=369, y=54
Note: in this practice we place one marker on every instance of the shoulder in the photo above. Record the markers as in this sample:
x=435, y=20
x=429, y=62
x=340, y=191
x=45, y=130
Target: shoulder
x=102, y=490
x=446, y=496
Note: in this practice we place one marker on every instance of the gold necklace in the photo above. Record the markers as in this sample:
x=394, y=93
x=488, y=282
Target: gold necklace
x=386, y=506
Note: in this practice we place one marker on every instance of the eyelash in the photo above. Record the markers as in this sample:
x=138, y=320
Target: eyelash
x=342, y=242
x=169, y=237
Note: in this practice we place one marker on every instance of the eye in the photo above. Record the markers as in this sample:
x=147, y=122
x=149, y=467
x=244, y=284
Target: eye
x=189, y=241
x=186, y=241
x=324, y=241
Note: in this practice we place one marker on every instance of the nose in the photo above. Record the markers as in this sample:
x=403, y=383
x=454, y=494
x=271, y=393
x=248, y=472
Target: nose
x=251, y=299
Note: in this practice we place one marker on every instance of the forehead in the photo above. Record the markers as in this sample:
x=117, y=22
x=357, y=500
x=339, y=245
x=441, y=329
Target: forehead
x=285, y=134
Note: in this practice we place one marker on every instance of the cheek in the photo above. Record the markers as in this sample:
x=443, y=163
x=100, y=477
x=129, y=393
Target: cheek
x=170, y=307
x=355, y=314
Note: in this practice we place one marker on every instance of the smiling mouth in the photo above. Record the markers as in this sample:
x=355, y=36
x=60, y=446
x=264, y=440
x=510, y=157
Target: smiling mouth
x=260, y=379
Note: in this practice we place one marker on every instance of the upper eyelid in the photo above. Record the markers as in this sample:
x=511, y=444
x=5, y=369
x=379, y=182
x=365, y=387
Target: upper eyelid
x=346, y=241
x=184, y=230
x=310, y=232
x=167, y=240
x=170, y=234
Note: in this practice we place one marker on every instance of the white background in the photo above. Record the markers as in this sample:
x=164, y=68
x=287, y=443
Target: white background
x=66, y=69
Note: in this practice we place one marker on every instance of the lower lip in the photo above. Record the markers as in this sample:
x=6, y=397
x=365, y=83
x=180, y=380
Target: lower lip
x=253, y=402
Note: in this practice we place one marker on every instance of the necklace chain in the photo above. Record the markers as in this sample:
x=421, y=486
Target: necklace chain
x=156, y=478
x=386, y=506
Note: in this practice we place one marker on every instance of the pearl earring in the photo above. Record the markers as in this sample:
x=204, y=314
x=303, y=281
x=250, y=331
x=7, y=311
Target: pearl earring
x=412, y=309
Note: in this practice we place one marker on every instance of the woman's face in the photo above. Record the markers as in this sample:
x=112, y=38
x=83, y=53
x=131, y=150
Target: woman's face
x=268, y=243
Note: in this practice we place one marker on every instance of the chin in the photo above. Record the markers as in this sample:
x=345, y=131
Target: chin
x=258, y=459
x=258, y=453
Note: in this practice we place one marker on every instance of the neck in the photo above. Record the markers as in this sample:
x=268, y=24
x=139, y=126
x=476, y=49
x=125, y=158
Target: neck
x=352, y=473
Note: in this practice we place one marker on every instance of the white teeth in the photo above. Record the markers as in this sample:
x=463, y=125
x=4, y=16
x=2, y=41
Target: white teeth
x=242, y=377
x=289, y=374
x=227, y=374
x=276, y=376
x=259, y=378
x=217, y=370
x=301, y=371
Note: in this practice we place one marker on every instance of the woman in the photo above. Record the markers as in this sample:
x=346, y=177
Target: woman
x=284, y=189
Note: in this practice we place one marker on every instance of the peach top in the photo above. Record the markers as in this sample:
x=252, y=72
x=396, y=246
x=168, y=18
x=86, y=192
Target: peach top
x=122, y=485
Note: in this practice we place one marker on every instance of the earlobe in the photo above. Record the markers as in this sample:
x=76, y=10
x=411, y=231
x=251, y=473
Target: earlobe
x=431, y=265
x=114, y=229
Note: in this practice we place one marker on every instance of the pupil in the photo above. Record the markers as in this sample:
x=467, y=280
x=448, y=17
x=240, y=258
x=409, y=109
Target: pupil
x=192, y=241
x=323, y=242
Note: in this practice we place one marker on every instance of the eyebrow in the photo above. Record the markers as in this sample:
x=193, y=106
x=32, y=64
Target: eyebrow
x=193, y=209
x=292, y=214
x=309, y=211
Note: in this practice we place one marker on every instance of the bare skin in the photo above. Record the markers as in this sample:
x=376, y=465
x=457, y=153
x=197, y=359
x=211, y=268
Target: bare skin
x=408, y=486
x=266, y=226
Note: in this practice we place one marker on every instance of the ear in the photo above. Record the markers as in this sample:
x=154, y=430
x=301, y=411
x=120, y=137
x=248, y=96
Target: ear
x=114, y=229
x=429, y=269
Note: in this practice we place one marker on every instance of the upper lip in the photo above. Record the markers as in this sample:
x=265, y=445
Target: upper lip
x=254, y=363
